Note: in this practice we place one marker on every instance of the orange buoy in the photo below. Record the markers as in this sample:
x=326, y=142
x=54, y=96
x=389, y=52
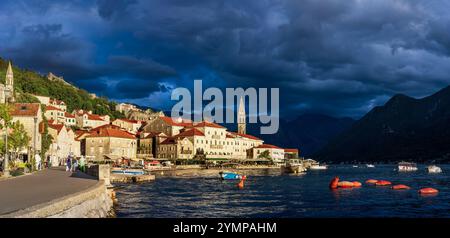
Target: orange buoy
x=383, y=183
x=345, y=184
x=400, y=187
x=428, y=191
x=240, y=185
x=334, y=183
x=372, y=181
x=356, y=184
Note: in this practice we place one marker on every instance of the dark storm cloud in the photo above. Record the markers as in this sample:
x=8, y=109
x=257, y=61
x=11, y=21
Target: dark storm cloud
x=336, y=57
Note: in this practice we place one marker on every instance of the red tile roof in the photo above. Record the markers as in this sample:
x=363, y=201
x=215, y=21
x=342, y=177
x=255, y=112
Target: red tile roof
x=57, y=127
x=105, y=126
x=153, y=134
x=52, y=108
x=267, y=146
x=129, y=120
x=174, y=122
x=191, y=132
x=111, y=132
x=169, y=141
x=58, y=102
x=208, y=124
x=94, y=117
x=291, y=150
x=246, y=136
x=66, y=114
x=25, y=109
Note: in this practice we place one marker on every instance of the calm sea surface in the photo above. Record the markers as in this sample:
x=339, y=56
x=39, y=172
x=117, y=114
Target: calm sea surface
x=270, y=194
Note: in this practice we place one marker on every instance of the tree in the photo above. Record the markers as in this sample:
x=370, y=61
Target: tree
x=18, y=139
x=266, y=155
x=5, y=122
x=46, y=138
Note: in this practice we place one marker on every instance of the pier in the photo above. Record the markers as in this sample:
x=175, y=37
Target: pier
x=54, y=193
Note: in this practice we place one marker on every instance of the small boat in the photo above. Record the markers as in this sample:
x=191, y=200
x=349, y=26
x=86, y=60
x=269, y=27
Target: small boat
x=370, y=166
x=434, y=169
x=355, y=166
x=317, y=166
x=127, y=171
x=293, y=166
x=407, y=167
x=230, y=176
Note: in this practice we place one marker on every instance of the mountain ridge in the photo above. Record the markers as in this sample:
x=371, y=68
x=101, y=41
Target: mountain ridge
x=404, y=128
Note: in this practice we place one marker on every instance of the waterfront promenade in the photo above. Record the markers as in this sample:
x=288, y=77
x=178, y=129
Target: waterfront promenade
x=41, y=187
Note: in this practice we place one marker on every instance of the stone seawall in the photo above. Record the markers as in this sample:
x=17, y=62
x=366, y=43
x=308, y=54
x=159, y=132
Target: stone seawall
x=94, y=202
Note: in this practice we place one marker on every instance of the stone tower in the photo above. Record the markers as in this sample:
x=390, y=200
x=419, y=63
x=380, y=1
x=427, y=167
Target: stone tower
x=9, y=77
x=9, y=84
x=241, y=117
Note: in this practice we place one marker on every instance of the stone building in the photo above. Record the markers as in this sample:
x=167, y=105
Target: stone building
x=86, y=119
x=131, y=126
x=63, y=142
x=7, y=89
x=167, y=125
x=126, y=107
x=176, y=148
x=148, y=144
x=70, y=119
x=291, y=153
x=110, y=142
x=143, y=116
x=275, y=153
x=30, y=115
x=55, y=114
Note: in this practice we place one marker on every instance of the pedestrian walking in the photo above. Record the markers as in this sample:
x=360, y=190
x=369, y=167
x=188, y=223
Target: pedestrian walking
x=75, y=165
x=38, y=161
x=82, y=164
x=68, y=163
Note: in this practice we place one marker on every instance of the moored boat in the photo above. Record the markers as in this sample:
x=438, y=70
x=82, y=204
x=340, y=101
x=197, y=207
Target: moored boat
x=406, y=167
x=434, y=169
x=230, y=175
x=370, y=166
x=318, y=167
x=127, y=171
x=294, y=166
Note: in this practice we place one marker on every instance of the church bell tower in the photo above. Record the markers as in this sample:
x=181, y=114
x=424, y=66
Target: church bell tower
x=241, y=117
x=9, y=84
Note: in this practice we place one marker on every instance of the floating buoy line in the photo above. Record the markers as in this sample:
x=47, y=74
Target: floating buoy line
x=336, y=184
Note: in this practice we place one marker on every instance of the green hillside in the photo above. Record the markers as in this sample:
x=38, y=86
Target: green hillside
x=28, y=82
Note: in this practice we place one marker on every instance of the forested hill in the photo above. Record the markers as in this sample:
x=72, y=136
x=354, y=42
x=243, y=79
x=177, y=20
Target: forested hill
x=28, y=82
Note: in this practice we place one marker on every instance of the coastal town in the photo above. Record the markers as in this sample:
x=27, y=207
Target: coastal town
x=143, y=138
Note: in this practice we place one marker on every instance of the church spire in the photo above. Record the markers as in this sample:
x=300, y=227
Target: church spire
x=9, y=76
x=241, y=117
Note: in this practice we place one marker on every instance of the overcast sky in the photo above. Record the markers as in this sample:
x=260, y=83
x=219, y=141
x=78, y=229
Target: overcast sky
x=338, y=57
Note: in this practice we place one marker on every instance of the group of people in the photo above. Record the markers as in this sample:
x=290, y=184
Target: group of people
x=73, y=164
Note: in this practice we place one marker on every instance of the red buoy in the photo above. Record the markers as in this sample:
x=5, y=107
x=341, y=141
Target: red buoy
x=372, y=181
x=356, y=184
x=400, y=187
x=345, y=184
x=334, y=183
x=428, y=191
x=383, y=183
